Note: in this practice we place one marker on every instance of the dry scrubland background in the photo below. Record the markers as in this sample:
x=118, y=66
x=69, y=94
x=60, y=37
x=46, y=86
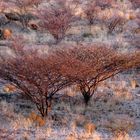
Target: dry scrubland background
x=113, y=112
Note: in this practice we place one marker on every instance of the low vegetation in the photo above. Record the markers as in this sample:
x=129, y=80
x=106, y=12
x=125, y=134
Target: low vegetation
x=64, y=57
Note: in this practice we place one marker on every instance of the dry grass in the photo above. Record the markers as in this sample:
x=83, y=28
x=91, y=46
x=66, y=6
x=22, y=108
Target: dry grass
x=7, y=33
x=122, y=136
x=9, y=88
x=120, y=124
x=90, y=128
x=134, y=84
x=39, y=121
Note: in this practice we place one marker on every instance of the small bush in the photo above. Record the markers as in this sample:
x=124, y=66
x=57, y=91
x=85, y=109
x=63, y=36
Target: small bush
x=90, y=128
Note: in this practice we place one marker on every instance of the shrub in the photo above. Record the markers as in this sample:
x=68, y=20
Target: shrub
x=91, y=12
x=114, y=22
x=56, y=19
x=135, y=3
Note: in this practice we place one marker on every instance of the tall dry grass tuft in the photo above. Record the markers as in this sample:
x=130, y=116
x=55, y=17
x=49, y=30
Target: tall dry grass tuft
x=90, y=128
x=122, y=136
x=9, y=88
x=71, y=137
x=133, y=84
x=39, y=121
x=120, y=126
x=7, y=33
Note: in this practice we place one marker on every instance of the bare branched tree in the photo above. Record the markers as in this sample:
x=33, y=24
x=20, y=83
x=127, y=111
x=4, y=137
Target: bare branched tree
x=94, y=7
x=88, y=66
x=34, y=75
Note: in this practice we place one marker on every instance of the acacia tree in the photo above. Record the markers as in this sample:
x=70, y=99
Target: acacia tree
x=56, y=19
x=88, y=66
x=34, y=75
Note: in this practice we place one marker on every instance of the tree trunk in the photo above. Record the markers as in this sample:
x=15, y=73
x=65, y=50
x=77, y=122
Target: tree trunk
x=41, y=109
x=58, y=39
x=87, y=97
x=44, y=107
x=87, y=93
x=48, y=105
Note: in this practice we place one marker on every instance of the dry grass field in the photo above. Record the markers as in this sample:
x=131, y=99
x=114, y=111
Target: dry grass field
x=113, y=112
